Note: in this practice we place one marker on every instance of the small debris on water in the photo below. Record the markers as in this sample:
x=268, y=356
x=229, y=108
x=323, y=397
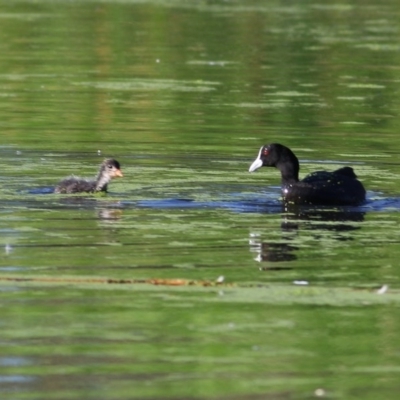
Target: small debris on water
x=383, y=289
x=253, y=234
x=99, y=152
x=300, y=283
x=320, y=392
x=8, y=249
x=220, y=279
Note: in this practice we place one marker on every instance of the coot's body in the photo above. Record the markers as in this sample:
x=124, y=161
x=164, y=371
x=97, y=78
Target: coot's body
x=340, y=187
x=109, y=169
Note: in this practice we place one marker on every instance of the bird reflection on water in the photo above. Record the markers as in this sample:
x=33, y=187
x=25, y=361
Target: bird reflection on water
x=294, y=219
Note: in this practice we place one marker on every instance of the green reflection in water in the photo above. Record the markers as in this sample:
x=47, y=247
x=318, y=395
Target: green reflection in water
x=183, y=94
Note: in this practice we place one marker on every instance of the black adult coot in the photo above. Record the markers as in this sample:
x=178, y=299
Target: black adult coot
x=340, y=187
x=109, y=169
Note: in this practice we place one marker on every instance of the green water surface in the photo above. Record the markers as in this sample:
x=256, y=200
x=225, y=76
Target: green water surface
x=252, y=301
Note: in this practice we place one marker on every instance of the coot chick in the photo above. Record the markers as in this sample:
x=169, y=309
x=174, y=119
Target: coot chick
x=340, y=187
x=109, y=169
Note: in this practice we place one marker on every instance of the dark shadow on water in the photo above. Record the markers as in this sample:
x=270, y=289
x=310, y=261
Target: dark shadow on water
x=241, y=206
x=264, y=204
x=40, y=190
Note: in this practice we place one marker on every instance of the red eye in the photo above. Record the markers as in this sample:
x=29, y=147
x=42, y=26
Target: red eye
x=265, y=152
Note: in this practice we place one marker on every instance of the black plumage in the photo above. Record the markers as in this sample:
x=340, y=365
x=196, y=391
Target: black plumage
x=339, y=187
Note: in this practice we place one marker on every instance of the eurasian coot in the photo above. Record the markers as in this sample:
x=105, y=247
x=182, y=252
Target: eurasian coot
x=340, y=187
x=108, y=169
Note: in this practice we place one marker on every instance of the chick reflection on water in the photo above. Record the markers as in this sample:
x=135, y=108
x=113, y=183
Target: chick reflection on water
x=339, y=187
x=109, y=169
